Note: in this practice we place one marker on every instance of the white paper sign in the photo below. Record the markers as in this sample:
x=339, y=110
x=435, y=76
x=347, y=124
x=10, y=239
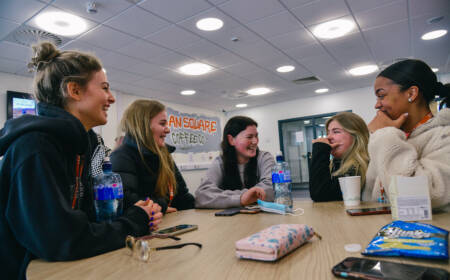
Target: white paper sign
x=410, y=198
x=299, y=137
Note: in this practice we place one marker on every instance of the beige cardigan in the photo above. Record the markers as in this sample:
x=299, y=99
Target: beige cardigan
x=425, y=152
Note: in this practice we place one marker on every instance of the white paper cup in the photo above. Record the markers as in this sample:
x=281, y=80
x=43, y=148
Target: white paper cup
x=351, y=190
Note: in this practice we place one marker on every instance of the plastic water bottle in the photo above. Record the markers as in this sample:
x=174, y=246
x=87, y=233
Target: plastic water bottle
x=108, y=191
x=281, y=180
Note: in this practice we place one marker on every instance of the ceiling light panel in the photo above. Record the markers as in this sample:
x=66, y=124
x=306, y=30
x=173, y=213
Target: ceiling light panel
x=333, y=29
x=61, y=23
x=195, y=69
x=285, y=68
x=363, y=70
x=434, y=34
x=209, y=24
x=258, y=91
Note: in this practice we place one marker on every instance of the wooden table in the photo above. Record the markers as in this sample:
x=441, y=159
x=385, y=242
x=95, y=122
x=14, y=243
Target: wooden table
x=217, y=260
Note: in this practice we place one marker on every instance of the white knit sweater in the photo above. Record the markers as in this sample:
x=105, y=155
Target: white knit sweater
x=425, y=152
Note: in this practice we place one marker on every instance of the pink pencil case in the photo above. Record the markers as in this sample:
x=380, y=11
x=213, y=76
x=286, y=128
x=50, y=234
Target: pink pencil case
x=273, y=242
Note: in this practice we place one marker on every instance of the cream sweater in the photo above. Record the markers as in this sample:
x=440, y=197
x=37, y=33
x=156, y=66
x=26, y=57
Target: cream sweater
x=425, y=152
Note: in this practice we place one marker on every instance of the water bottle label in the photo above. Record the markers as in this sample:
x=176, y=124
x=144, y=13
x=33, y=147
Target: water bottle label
x=281, y=177
x=118, y=191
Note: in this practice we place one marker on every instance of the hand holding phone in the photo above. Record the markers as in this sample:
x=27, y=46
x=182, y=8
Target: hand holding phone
x=359, y=268
x=369, y=211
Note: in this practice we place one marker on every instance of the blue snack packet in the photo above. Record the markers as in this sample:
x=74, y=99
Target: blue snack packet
x=409, y=239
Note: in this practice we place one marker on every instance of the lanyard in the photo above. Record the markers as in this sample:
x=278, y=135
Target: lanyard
x=170, y=195
x=422, y=121
x=78, y=173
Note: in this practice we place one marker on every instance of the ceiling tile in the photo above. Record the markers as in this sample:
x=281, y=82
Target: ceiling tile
x=389, y=42
x=242, y=68
x=349, y=50
x=15, y=51
x=119, y=61
x=19, y=10
x=171, y=60
x=105, y=8
x=306, y=51
x=173, y=37
x=430, y=7
x=274, y=25
x=393, y=12
x=292, y=39
x=142, y=49
x=184, y=9
x=201, y=50
x=249, y=10
x=146, y=69
x=6, y=27
x=85, y=47
x=107, y=38
x=224, y=59
x=364, y=5
x=116, y=76
x=143, y=23
x=295, y=3
x=321, y=11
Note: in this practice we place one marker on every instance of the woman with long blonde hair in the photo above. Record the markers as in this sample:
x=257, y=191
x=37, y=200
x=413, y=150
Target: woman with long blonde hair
x=144, y=161
x=347, y=140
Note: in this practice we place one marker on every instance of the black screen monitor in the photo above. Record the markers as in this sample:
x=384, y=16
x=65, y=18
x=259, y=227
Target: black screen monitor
x=19, y=103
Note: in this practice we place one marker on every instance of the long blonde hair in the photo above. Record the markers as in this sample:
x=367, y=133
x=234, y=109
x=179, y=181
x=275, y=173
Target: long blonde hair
x=357, y=155
x=136, y=123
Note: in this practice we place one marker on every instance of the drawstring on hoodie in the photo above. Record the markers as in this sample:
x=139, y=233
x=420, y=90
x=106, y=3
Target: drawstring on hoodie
x=78, y=173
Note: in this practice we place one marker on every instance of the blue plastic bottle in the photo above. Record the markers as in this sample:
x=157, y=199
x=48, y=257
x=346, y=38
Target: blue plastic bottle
x=281, y=180
x=108, y=192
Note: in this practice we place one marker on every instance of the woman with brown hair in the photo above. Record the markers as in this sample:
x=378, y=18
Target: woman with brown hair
x=144, y=161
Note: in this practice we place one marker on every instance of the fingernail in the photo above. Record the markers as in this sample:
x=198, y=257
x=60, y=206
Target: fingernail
x=151, y=224
x=153, y=213
x=151, y=218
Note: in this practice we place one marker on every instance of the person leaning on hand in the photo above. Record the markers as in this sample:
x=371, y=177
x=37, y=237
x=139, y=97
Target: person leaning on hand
x=242, y=174
x=47, y=210
x=347, y=139
x=407, y=139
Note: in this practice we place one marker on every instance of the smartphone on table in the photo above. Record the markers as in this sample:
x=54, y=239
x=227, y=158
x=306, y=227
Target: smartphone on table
x=176, y=230
x=228, y=212
x=359, y=268
x=369, y=211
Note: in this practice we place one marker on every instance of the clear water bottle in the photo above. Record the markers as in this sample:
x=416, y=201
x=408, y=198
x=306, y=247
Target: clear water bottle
x=281, y=180
x=108, y=192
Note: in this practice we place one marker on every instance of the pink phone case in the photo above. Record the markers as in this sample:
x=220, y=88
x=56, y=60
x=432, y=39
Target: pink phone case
x=274, y=242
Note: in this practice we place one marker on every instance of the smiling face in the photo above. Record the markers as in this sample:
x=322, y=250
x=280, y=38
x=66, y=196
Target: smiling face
x=159, y=127
x=390, y=99
x=245, y=143
x=94, y=101
x=338, y=135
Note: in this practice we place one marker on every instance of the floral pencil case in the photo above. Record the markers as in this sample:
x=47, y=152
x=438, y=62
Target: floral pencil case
x=273, y=242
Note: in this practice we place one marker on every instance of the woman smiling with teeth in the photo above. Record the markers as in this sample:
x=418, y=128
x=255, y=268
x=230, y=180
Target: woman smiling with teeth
x=242, y=174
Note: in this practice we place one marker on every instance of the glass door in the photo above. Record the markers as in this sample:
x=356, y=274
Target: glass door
x=296, y=136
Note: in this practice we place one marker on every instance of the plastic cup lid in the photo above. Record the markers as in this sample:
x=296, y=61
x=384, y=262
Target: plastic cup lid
x=352, y=247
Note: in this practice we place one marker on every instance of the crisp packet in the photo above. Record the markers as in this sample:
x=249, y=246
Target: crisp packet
x=273, y=242
x=409, y=239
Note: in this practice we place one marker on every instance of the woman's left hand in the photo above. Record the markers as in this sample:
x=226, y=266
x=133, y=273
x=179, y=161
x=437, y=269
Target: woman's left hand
x=382, y=120
x=171, y=210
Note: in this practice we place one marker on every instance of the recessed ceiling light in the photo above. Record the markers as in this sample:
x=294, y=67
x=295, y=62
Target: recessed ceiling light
x=435, y=69
x=242, y=105
x=285, y=68
x=209, y=24
x=195, y=69
x=61, y=23
x=187, y=92
x=258, y=91
x=363, y=70
x=306, y=122
x=322, y=124
x=434, y=34
x=333, y=29
x=321, y=90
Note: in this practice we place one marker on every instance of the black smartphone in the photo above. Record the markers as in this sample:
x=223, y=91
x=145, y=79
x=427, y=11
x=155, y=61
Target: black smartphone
x=228, y=212
x=179, y=229
x=369, y=211
x=359, y=268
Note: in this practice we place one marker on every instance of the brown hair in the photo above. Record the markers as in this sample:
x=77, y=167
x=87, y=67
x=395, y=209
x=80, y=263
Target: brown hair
x=55, y=68
x=136, y=123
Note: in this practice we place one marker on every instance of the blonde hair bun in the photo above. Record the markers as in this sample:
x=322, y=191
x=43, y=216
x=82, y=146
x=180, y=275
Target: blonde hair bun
x=44, y=52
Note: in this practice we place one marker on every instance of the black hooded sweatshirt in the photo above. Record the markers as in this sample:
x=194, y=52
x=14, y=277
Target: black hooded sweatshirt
x=37, y=178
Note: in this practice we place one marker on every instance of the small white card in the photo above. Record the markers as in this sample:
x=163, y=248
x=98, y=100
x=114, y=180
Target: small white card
x=410, y=198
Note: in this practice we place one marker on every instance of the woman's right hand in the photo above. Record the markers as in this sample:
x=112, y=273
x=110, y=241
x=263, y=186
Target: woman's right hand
x=252, y=195
x=153, y=211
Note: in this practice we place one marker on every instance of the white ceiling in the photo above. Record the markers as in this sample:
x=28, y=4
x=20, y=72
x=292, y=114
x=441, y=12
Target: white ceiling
x=142, y=43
